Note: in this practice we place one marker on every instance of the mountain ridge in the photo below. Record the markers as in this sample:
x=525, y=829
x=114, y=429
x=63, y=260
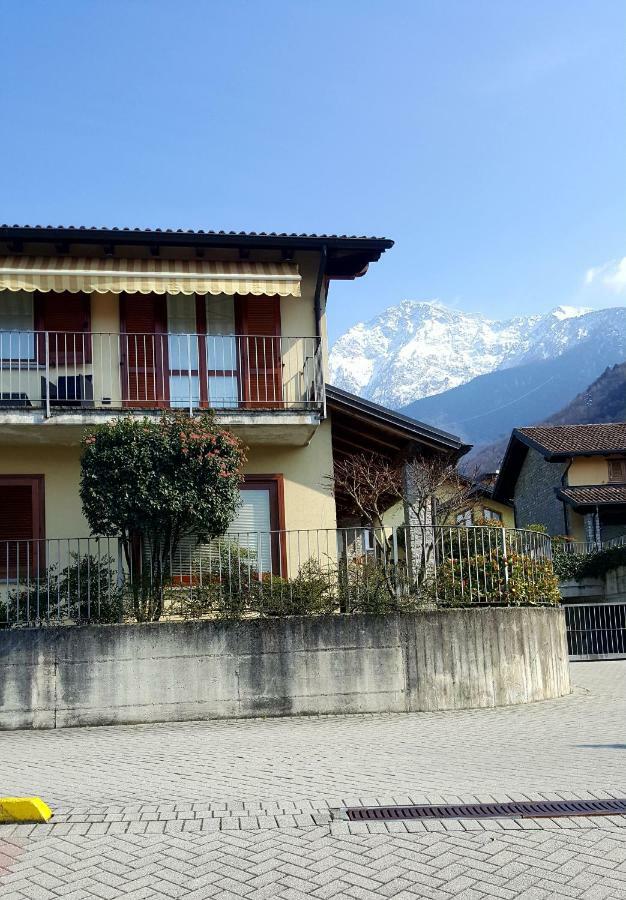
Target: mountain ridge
x=419, y=348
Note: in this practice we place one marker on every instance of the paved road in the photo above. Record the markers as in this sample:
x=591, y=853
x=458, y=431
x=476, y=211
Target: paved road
x=242, y=809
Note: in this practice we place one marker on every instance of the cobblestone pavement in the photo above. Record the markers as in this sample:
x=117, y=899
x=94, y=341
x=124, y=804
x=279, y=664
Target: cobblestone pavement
x=242, y=809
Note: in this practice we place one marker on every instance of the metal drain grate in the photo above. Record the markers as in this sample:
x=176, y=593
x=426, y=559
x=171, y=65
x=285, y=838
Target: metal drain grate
x=536, y=809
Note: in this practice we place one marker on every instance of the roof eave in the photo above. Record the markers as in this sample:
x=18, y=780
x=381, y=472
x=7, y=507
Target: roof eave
x=501, y=489
x=180, y=237
x=411, y=428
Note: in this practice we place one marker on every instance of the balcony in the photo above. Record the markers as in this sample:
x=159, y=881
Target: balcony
x=267, y=389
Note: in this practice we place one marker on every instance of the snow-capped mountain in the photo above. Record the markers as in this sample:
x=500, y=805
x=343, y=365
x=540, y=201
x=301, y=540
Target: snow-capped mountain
x=417, y=348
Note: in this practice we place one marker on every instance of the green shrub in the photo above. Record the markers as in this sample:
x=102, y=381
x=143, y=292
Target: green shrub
x=491, y=578
x=576, y=566
x=84, y=590
x=310, y=593
x=174, y=476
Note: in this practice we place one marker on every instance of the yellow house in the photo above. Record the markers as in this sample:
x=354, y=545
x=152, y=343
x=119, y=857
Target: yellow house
x=95, y=323
x=570, y=478
x=483, y=507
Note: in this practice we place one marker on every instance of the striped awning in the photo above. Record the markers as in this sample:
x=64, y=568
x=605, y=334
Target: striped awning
x=147, y=276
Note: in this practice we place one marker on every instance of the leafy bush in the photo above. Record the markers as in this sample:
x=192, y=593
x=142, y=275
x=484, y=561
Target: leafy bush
x=310, y=593
x=85, y=590
x=494, y=579
x=576, y=566
x=152, y=483
x=376, y=586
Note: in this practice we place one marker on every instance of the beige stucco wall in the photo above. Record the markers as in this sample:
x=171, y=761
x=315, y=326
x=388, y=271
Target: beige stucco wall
x=308, y=500
x=105, y=313
x=61, y=470
x=588, y=470
x=576, y=529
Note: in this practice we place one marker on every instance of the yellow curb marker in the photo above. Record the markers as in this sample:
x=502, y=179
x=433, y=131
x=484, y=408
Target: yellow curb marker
x=24, y=809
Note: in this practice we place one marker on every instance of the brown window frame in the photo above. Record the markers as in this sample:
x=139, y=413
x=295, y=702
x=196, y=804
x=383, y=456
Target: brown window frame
x=275, y=484
x=37, y=560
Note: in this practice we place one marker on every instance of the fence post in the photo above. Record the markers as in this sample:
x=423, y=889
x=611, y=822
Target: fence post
x=47, y=352
x=506, y=562
x=120, y=564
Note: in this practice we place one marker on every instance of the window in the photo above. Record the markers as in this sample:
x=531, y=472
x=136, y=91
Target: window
x=465, y=518
x=182, y=350
x=202, y=351
x=257, y=528
x=221, y=351
x=22, y=552
x=491, y=515
x=617, y=470
x=17, y=340
x=252, y=526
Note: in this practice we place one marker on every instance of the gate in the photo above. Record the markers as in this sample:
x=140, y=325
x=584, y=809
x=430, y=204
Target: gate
x=596, y=630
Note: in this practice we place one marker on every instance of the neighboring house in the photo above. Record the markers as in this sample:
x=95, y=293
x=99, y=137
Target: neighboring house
x=95, y=323
x=570, y=478
x=483, y=507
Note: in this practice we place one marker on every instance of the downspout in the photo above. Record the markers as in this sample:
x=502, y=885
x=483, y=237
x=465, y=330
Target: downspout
x=317, y=302
x=317, y=306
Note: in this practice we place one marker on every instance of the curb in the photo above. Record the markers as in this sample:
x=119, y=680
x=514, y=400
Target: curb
x=24, y=810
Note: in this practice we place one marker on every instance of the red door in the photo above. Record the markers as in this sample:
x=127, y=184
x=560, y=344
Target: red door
x=260, y=352
x=143, y=350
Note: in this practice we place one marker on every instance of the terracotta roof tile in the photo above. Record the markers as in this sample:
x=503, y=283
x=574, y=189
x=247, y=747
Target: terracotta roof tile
x=594, y=495
x=577, y=440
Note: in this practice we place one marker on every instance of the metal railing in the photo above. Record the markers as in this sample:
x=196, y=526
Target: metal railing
x=585, y=547
x=274, y=573
x=596, y=630
x=52, y=370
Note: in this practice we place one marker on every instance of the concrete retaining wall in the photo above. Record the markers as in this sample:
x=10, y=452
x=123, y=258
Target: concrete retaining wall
x=596, y=590
x=109, y=674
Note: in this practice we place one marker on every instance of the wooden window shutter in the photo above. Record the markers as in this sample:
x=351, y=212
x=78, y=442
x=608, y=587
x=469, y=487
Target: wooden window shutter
x=260, y=351
x=67, y=319
x=617, y=470
x=21, y=526
x=143, y=350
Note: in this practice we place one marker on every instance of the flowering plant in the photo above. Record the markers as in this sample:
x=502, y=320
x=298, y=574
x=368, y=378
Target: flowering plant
x=154, y=481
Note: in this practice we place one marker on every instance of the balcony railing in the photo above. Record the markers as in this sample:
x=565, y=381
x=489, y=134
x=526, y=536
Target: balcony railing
x=274, y=573
x=52, y=370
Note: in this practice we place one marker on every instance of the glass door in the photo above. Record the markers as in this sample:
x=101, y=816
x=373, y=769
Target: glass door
x=182, y=347
x=222, y=353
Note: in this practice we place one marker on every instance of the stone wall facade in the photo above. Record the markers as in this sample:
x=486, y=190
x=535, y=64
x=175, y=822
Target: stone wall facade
x=535, y=499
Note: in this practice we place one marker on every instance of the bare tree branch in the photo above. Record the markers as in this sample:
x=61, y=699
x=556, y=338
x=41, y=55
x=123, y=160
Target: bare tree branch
x=368, y=484
x=437, y=479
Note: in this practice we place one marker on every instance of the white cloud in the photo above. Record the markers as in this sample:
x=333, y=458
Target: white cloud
x=611, y=275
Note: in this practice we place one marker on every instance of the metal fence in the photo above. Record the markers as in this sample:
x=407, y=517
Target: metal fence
x=596, y=630
x=273, y=573
x=583, y=548
x=50, y=370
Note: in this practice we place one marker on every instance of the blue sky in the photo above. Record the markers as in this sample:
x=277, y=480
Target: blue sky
x=487, y=137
